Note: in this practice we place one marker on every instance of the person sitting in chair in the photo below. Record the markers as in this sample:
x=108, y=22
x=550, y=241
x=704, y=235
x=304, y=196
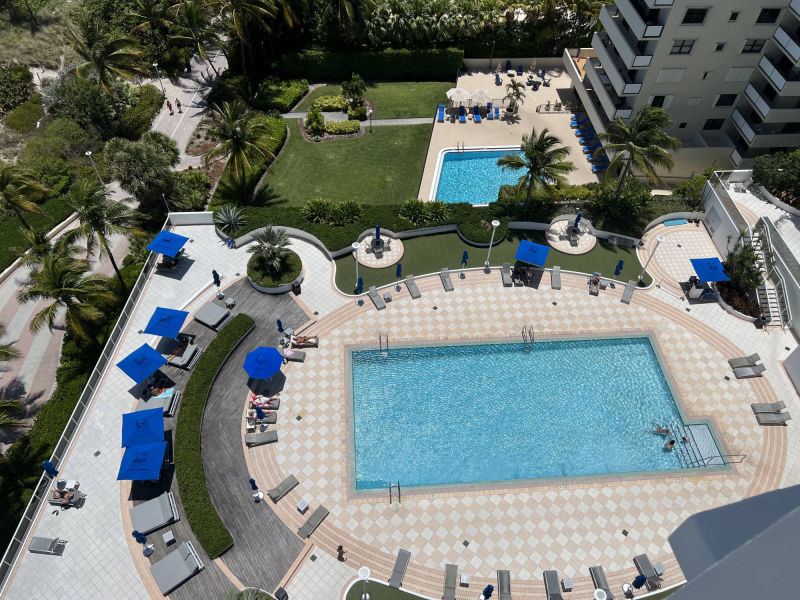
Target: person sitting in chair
x=63, y=496
x=302, y=340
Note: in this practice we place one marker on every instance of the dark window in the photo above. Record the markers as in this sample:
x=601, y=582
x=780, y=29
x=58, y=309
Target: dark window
x=726, y=100
x=695, y=16
x=682, y=126
x=768, y=15
x=682, y=47
x=719, y=47
x=734, y=16
x=791, y=128
x=713, y=124
x=658, y=101
x=753, y=46
x=705, y=74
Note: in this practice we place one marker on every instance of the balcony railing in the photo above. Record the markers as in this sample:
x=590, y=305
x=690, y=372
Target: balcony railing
x=622, y=40
x=609, y=60
x=787, y=43
x=743, y=126
x=771, y=72
x=636, y=22
x=795, y=6
x=600, y=83
x=667, y=3
x=757, y=101
x=736, y=158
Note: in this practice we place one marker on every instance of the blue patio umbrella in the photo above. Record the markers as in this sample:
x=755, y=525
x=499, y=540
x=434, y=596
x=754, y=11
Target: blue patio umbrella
x=534, y=254
x=141, y=363
x=360, y=285
x=578, y=219
x=139, y=536
x=263, y=363
x=377, y=233
x=399, y=270
x=279, y=323
x=464, y=258
x=709, y=269
x=253, y=485
x=260, y=413
x=143, y=427
x=215, y=276
x=166, y=322
x=49, y=468
x=142, y=462
x=619, y=267
x=167, y=243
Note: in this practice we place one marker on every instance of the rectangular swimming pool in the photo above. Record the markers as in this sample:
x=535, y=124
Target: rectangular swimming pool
x=437, y=415
x=473, y=176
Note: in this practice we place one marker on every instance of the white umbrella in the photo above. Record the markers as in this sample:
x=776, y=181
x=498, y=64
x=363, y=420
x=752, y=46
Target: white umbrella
x=481, y=97
x=457, y=95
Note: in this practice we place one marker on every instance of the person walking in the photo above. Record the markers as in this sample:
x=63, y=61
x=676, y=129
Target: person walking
x=178, y=105
x=169, y=106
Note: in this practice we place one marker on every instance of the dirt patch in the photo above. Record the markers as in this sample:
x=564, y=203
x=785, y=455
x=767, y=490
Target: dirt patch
x=200, y=142
x=325, y=137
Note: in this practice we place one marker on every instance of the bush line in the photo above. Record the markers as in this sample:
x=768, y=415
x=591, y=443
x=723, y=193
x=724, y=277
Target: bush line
x=203, y=518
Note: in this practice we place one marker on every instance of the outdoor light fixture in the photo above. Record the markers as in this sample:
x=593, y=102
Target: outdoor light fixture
x=495, y=225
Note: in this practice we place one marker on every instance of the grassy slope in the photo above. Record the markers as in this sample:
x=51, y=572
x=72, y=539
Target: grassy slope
x=394, y=100
x=431, y=253
x=53, y=212
x=379, y=167
x=43, y=48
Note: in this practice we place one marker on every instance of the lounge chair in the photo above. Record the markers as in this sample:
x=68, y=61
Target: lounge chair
x=270, y=418
x=283, y=488
x=519, y=70
x=645, y=568
x=575, y=123
x=504, y=585
x=450, y=576
x=212, y=316
x=772, y=418
x=43, y=545
x=744, y=361
x=376, y=298
x=476, y=114
x=552, y=588
x=505, y=275
x=440, y=116
x=594, y=290
x=444, y=275
x=311, y=524
x=627, y=295
x=257, y=439
x=767, y=407
x=183, y=358
x=462, y=115
x=497, y=80
x=412, y=287
x=497, y=112
x=154, y=514
x=399, y=570
x=310, y=342
x=555, y=278
x=747, y=372
x=167, y=401
x=600, y=582
x=295, y=356
x=489, y=111
x=176, y=568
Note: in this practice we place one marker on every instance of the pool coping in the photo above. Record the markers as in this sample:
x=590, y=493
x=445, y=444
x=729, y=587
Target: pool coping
x=500, y=486
x=440, y=159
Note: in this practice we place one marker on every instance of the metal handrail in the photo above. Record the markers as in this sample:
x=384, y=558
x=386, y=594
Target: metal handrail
x=770, y=262
x=704, y=459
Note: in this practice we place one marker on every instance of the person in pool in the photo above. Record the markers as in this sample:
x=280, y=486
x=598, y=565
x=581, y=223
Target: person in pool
x=660, y=430
x=669, y=446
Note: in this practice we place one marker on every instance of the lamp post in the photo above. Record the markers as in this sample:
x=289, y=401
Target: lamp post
x=94, y=166
x=495, y=225
x=659, y=239
x=369, y=115
x=363, y=574
x=355, y=246
x=164, y=198
x=491, y=57
x=158, y=74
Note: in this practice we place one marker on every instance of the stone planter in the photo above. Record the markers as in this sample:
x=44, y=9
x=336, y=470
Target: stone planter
x=728, y=308
x=281, y=289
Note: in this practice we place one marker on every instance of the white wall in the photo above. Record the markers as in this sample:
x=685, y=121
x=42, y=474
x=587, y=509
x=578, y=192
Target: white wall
x=718, y=222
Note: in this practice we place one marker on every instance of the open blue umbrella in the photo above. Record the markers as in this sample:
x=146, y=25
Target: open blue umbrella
x=263, y=363
x=360, y=285
x=167, y=243
x=143, y=427
x=141, y=363
x=377, y=233
x=166, y=322
x=619, y=267
x=216, y=278
x=399, y=270
x=464, y=258
x=578, y=219
x=142, y=462
x=709, y=269
x=534, y=254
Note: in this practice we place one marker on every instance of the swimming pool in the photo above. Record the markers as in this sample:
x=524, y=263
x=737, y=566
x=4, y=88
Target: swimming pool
x=473, y=176
x=436, y=415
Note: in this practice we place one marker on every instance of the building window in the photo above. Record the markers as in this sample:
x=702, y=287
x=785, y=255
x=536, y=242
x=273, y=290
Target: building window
x=719, y=47
x=695, y=16
x=734, y=16
x=725, y=100
x=791, y=128
x=683, y=47
x=705, y=74
x=658, y=101
x=753, y=46
x=711, y=124
x=682, y=126
x=768, y=16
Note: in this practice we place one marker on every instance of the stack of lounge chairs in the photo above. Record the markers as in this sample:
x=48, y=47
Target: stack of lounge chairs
x=213, y=316
x=399, y=570
x=747, y=366
x=770, y=413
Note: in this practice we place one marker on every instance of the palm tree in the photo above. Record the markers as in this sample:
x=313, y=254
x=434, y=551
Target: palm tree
x=515, y=93
x=18, y=190
x=8, y=411
x=38, y=246
x=7, y=351
x=67, y=283
x=243, y=14
x=195, y=30
x=641, y=144
x=543, y=160
x=270, y=248
x=152, y=15
x=242, y=139
x=100, y=217
x=103, y=53
x=247, y=594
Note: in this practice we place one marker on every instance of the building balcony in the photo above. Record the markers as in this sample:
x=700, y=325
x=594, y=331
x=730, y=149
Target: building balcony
x=788, y=43
x=763, y=135
x=785, y=80
x=613, y=67
x=623, y=40
x=642, y=25
x=599, y=82
x=666, y=3
x=574, y=63
x=794, y=5
x=768, y=112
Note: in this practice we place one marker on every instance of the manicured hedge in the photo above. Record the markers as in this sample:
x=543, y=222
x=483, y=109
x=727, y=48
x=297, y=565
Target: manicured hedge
x=359, y=113
x=200, y=512
x=137, y=120
x=342, y=127
x=280, y=95
x=26, y=115
x=391, y=64
x=330, y=103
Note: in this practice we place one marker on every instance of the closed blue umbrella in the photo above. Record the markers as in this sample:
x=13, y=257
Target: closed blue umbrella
x=399, y=270
x=487, y=591
x=360, y=285
x=464, y=258
x=263, y=363
x=619, y=267
x=578, y=219
x=253, y=485
x=215, y=275
x=142, y=462
x=49, y=468
x=280, y=326
x=377, y=233
x=141, y=363
x=143, y=427
x=639, y=582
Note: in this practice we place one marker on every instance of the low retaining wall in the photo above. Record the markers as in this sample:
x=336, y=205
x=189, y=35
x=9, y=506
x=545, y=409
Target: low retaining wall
x=281, y=289
x=730, y=310
x=779, y=203
x=676, y=215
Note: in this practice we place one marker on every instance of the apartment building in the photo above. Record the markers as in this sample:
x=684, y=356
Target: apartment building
x=726, y=71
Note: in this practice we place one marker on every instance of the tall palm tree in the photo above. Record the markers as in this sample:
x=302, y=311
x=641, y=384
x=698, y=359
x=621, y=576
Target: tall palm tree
x=270, y=248
x=7, y=351
x=69, y=286
x=244, y=14
x=515, y=92
x=242, y=139
x=99, y=217
x=37, y=246
x=104, y=53
x=543, y=161
x=194, y=29
x=641, y=144
x=152, y=15
x=18, y=191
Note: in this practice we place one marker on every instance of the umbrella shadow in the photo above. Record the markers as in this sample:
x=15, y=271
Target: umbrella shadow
x=160, y=379
x=267, y=387
x=178, y=271
x=530, y=276
x=146, y=490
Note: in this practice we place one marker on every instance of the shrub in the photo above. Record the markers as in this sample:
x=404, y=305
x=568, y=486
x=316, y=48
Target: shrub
x=26, y=115
x=358, y=113
x=421, y=214
x=229, y=218
x=316, y=210
x=330, y=103
x=780, y=174
x=690, y=190
x=16, y=84
x=280, y=95
x=354, y=89
x=83, y=102
x=342, y=127
x=257, y=271
x=344, y=213
x=137, y=119
x=315, y=122
x=193, y=187
x=203, y=518
x=52, y=152
x=228, y=88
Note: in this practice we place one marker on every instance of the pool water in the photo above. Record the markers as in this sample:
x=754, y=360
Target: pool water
x=434, y=415
x=474, y=177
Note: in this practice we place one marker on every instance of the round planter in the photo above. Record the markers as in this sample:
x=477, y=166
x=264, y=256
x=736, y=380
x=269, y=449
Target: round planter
x=281, y=289
x=733, y=311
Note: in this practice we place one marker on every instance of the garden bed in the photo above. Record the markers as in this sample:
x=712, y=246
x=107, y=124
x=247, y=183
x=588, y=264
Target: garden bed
x=740, y=303
x=325, y=137
x=292, y=269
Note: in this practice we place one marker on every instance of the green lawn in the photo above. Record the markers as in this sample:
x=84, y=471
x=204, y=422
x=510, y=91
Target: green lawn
x=378, y=591
x=381, y=167
x=430, y=253
x=394, y=100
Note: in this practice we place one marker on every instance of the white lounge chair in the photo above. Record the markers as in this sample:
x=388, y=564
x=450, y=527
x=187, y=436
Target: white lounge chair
x=412, y=287
x=176, y=568
x=555, y=278
x=444, y=275
x=376, y=298
x=747, y=372
x=43, y=545
x=505, y=275
x=399, y=570
x=154, y=514
x=768, y=407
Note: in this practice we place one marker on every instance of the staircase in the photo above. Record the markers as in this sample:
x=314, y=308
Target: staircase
x=765, y=293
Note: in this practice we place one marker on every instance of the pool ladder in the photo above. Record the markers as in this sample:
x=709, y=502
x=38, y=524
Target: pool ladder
x=527, y=336
x=383, y=341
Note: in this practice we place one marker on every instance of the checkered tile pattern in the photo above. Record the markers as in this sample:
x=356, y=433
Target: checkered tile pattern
x=681, y=243
x=389, y=257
